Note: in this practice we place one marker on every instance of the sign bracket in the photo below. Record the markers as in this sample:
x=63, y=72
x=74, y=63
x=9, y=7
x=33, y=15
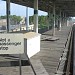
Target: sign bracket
x=31, y=65
x=20, y=67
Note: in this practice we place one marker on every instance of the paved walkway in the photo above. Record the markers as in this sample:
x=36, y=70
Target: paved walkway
x=51, y=51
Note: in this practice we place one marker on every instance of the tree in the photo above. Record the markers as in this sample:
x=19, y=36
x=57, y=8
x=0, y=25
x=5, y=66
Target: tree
x=31, y=18
x=42, y=20
x=15, y=19
x=3, y=17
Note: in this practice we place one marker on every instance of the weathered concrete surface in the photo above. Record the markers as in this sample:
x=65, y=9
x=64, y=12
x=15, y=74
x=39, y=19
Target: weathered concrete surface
x=46, y=61
x=51, y=51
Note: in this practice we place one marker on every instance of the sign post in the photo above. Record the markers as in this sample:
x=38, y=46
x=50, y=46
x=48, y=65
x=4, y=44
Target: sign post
x=20, y=69
x=8, y=14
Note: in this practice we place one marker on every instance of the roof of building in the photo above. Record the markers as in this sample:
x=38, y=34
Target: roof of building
x=67, y=6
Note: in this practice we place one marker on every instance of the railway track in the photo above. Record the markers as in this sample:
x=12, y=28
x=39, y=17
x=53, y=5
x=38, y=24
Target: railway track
x=70, y=62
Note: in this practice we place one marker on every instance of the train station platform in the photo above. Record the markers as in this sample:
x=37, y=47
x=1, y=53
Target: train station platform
x=47, y=61
x=51, y=51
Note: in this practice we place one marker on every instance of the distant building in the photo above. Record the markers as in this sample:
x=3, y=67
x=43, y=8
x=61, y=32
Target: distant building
x=23, y=20
x=3, y=22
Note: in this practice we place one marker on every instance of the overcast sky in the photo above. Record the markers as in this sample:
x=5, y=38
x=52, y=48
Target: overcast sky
x=17, y=9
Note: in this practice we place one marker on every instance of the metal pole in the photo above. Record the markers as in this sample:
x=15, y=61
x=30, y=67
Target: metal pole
x=48, y=21
x=8, y=14
x=20, y=69
x=36, y=16
x=31, y=65
x=67, y=21
x=60, y=21
x=27, y=19
x=63, y=18
x=54, y=20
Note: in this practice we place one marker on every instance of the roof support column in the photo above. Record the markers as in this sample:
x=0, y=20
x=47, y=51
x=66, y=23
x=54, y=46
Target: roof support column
x=57, y=22
x=8, y=14
x=48, y=18
x=54, y=20
x=65, y=20
x=27, y=19
x=60, y=21
x=36, y=16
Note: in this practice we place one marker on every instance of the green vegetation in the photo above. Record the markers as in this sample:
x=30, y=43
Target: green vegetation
x=31, y=19
x=3, y=17
x=42, y=21
x=13, y=19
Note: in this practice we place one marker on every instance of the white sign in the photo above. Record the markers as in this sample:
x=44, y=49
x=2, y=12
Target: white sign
x=11, y=43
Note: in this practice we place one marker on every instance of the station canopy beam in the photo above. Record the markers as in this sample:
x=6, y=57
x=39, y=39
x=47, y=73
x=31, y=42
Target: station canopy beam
x=67, y=6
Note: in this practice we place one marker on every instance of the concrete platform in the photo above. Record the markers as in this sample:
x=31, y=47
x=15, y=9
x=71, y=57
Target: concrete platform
x=47, y=60
x=51, y=51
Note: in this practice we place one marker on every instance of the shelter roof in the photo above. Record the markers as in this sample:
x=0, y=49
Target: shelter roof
x=67, y=6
